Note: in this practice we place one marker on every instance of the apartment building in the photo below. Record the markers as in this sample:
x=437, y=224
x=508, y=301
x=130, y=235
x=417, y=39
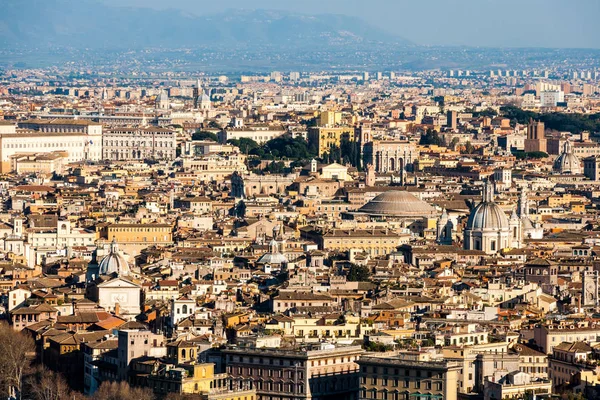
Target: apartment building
x=320, y=373
x=394, y=378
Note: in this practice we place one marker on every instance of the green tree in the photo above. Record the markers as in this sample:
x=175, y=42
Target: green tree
x=469, y=149
x=536, y=154
x=240, y=209
x=275, y=167
x=350, y=152
x=289, y=148
x=575, y=123
x=205, y=135
x=521, y=155
x=431, y=137
x=377, y=347
x=335, y=154
x=245, y=145
x=488, y=112
x=358, y=273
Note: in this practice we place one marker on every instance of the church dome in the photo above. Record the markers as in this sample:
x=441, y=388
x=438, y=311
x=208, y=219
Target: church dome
x=398, y=203
x=487, y=215
x=273, y=256
x=114, y=262
x=567, y=162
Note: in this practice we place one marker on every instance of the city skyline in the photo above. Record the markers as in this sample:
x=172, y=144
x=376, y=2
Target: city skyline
x=334, y=200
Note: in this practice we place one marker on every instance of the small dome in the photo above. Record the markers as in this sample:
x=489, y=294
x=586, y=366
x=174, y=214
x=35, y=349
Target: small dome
x=487, y=215
x=114, y=262
x=567, y=162
x=398, y=203
x=272, y=258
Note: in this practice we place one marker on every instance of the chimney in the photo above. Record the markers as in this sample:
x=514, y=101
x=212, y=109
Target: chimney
x=117, y=309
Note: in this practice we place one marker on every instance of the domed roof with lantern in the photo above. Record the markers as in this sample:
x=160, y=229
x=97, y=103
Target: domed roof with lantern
x=488, y=215
x=274, y=256
x=567, y=162
x=114, y=262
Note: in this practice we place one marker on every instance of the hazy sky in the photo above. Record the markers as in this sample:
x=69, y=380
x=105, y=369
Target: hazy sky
x=511, y=23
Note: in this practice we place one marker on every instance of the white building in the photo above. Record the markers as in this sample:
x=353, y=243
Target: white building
x=81, y=140
x=120, y=296
x=488, y=228
x=259, y=133
x=552, y=98
x=17, y=297
x=138, y=144
x=182, y=308
x=61, y=237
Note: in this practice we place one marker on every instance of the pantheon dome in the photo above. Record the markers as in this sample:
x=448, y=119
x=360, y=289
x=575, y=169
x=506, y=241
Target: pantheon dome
x=398, y=203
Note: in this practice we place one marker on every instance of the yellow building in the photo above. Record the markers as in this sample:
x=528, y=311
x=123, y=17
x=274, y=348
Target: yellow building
x=395, y=378
x=330, y=118
x=323, y=138
x=289, y=374
x=43, y=163
x=565, y=199
x=423, y=163
x=199, y=379
x=313, y=329
x=134, y=233
x=376, y=242
x=135, y=237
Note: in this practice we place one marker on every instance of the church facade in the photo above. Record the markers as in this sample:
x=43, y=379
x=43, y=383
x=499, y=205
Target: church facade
x=490, y=230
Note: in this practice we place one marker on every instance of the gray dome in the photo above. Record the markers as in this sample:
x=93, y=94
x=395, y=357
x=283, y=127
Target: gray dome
x=567, y=162
x=398, y=203
x=487, y=215
x=273, y=256
x=114, y=262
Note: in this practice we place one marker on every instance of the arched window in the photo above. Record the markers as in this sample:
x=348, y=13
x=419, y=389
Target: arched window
x=182, y=353
x=184, y=309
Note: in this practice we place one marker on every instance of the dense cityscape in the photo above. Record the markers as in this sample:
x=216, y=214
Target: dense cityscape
x=404, y=223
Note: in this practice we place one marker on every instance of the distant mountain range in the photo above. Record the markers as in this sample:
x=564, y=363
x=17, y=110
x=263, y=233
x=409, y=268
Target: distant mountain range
x=89, y=24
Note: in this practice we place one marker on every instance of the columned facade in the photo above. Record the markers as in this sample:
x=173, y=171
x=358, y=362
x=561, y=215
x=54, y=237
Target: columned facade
x=389, y=156
x=138, y=144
